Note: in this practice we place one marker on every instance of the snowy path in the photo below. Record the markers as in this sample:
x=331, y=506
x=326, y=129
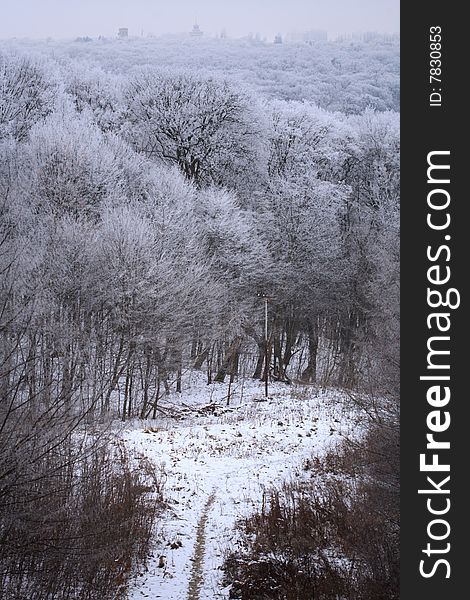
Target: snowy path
x=216, y=469
x=197, y=570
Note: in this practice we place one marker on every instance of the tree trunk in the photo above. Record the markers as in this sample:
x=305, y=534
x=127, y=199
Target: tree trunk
x=347, y=372
x=157, y=397
x=146, y=382
x=309, y=375
x=200, y=358
x=118, y=370
x=227, y=361
x=260, y=361
x=277, y=358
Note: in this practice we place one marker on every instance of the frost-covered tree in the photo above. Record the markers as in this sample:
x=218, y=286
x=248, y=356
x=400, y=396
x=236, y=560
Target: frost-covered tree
x=67, y=165
x=98, y=92
x=169, y=204
x=203, y=125
x=71, y=167
x=27, y=94
x=371, y=229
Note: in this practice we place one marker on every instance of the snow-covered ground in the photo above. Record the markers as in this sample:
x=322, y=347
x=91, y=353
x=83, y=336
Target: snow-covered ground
x=216, y=467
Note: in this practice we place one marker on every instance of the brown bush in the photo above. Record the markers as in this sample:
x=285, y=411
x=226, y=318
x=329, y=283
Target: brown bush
x=78, y=529
x=335, y=536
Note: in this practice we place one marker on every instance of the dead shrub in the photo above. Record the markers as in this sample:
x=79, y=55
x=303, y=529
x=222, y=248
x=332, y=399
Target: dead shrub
x=333, y=537
x=79, y=528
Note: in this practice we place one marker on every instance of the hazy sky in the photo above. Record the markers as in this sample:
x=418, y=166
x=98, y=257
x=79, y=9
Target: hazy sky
x=71, y=18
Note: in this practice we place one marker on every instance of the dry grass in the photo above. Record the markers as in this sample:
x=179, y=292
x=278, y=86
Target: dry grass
x=81, y=530
x=333, y=536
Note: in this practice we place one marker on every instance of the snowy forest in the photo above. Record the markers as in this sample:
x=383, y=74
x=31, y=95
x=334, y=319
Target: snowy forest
x=156, y=197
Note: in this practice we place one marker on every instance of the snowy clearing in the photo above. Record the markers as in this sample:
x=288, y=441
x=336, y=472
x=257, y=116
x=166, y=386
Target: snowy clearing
x=216, y=468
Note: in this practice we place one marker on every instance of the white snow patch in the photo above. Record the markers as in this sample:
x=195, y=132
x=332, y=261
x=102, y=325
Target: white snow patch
x=237, y=455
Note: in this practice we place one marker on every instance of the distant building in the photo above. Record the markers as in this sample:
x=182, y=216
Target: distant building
x=374, y=36
x=278, y=39
x=369, y=36
x=308, y=37
x=196, y=31
x=315, y=35
x=123, y=33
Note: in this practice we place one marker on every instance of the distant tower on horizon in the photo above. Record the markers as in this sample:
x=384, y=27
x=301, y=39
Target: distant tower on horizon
x=196, y=31
x=123, y=33
x=278, y=39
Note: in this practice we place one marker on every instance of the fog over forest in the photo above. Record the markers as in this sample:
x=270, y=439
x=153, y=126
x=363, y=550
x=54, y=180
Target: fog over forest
x=59, y=19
